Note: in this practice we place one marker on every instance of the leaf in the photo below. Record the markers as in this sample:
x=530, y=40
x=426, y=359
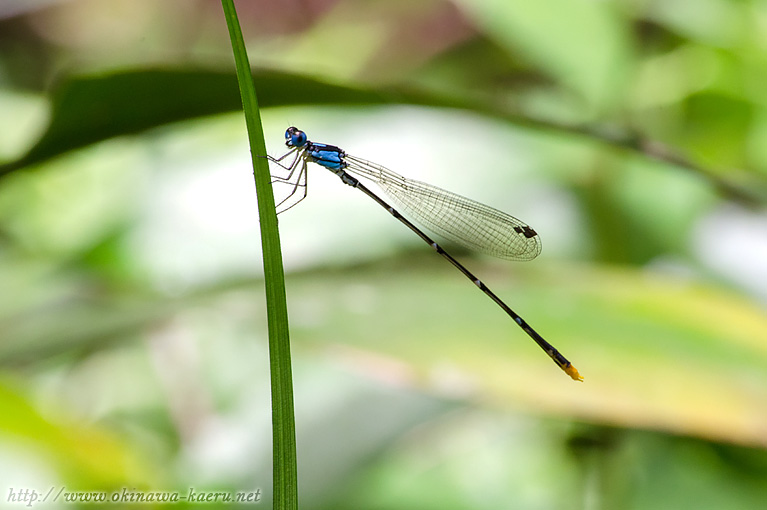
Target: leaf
x=580, y=42
x=82, y=454
x=90, y=109
x=655, y=352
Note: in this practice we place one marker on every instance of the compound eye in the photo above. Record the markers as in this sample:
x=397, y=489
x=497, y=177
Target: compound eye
x=295, y=137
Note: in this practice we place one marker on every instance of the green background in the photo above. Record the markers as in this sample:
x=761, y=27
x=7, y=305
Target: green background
x=629, y=134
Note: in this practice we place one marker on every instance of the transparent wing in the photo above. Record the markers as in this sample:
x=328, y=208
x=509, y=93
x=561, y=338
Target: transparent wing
x=459, y=219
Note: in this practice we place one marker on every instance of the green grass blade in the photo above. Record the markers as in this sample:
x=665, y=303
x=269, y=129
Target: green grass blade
x=283, y=420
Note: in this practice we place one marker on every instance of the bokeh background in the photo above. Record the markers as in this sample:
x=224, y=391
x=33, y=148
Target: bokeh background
x=631, y=134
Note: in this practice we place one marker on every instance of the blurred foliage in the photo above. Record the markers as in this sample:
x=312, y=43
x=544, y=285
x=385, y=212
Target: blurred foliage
x=629, y=132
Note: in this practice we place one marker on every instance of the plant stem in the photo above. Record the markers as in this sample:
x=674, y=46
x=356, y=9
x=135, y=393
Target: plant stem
x=283, y=420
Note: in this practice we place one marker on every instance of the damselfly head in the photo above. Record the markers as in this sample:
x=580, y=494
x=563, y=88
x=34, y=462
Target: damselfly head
x=294, y=137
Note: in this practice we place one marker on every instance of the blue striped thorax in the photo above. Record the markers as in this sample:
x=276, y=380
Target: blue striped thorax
x=329, y=156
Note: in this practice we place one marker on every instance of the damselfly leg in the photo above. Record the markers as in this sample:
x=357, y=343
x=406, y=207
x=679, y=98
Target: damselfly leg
x=297, y=184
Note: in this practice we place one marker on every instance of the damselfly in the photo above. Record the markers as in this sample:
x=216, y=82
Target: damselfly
x=459, y=219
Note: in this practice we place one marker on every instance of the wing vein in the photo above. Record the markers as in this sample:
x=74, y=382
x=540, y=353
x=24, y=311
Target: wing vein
x=459, y=219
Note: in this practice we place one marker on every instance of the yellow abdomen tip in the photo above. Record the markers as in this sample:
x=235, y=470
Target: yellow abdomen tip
x=573, y=372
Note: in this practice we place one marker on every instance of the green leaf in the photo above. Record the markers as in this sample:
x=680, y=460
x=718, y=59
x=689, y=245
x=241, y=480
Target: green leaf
x=656, y=352
x=83, y=455
x=579, y=42
x=285, y=468
x=90, y=109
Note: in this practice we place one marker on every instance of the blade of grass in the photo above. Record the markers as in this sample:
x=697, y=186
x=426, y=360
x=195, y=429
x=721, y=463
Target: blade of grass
x=283, y=420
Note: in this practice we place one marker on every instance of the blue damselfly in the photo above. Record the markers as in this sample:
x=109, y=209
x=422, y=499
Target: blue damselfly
x=459, y=219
